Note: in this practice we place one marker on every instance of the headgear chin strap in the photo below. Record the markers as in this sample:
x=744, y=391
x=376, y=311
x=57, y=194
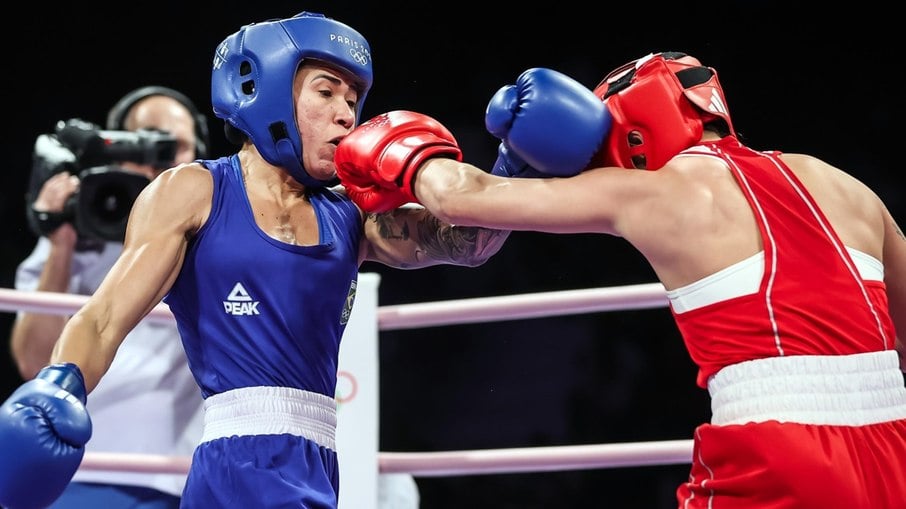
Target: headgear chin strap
x=659, y=105
x=253, y=73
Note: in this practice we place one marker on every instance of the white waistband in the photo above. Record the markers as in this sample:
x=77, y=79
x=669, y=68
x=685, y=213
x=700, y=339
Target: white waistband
x=843, y=390
x=271, y=411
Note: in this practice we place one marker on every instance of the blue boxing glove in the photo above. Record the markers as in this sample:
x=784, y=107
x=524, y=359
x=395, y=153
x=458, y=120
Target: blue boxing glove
x=551, y=123
x=43, y=430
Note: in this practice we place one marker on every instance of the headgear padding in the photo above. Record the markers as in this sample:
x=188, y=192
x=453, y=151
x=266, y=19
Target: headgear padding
x=116, y=117
x=253, y=73
x=659, y=105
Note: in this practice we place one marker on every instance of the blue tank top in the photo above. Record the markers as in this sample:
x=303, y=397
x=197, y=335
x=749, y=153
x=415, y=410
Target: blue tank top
x=254, y=311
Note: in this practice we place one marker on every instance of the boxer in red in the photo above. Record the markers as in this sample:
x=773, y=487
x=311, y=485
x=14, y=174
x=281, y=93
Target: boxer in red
x=786, y=276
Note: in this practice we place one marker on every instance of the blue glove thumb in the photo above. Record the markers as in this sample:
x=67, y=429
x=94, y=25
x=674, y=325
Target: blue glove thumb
x=509, y=164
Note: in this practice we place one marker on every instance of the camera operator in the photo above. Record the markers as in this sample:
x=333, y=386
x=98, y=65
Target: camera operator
x=148, y=402
x=74, y=163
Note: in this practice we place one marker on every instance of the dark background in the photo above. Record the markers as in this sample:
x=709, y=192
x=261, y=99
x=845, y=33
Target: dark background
x=798, y=79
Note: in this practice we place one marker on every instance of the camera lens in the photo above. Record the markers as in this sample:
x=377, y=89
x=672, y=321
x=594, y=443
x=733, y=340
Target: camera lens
x=111, y=203
x=106, y=196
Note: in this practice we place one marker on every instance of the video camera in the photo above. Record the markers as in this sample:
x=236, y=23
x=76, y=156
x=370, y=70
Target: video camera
x=101, y=207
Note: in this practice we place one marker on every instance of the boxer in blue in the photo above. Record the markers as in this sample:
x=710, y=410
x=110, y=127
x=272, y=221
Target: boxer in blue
x=257, y=255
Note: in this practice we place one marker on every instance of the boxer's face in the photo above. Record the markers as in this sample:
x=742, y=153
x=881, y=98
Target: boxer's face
x=325, y=100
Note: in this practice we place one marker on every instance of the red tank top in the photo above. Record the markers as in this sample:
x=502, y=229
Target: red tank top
x=811, y=300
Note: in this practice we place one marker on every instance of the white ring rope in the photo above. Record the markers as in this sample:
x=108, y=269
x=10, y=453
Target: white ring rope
x=448, y=463
x=527, y=305
x=409, y=316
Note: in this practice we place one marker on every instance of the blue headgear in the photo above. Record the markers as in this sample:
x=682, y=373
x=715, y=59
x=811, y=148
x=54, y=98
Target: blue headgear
x=252, y=80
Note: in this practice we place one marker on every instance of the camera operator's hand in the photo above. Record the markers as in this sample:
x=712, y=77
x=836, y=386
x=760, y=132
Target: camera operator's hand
x=55, y=191
x=52, y=198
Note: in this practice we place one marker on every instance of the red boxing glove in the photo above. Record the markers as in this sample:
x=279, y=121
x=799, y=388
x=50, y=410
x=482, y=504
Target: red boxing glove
x=377, y=162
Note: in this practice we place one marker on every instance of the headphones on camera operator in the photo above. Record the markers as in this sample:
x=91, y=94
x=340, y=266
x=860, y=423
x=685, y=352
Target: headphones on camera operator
x=99, y=210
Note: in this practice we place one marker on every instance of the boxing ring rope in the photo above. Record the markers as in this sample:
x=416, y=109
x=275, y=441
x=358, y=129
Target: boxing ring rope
x=448, y=312
x=413, y=316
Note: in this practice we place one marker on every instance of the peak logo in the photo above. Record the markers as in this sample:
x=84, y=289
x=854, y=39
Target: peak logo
x=240, y=303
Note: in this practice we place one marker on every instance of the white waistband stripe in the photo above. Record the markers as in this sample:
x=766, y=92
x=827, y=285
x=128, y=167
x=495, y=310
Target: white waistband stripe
x=271, y=411
x=844, y=390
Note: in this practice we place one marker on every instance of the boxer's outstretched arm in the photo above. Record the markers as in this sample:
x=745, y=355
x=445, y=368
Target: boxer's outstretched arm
x=44, y=425
x=152, y=255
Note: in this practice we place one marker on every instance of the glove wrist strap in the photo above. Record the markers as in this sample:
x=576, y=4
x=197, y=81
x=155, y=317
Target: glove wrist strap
x=68, y=376
x=406, y=179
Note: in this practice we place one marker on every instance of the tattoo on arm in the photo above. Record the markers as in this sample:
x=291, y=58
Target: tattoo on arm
x=462, y=245
x=439, y=241
x=386, y=224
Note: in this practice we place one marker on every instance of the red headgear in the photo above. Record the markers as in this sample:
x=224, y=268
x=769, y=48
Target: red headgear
x=659, y=105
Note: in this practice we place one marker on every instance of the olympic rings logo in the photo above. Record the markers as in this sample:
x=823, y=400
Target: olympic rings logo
x=347, y=387
x=358, y=56
x=220, y=55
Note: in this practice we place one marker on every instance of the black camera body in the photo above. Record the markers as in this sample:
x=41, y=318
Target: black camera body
x=100, y=209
